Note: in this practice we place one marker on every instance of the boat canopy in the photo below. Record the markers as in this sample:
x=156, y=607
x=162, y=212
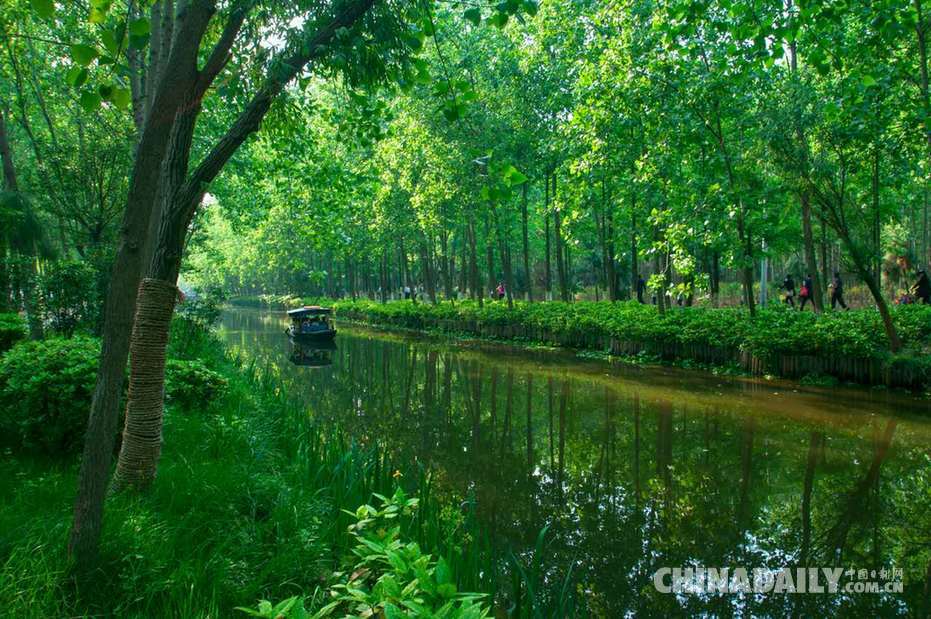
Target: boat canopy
x=309, y=310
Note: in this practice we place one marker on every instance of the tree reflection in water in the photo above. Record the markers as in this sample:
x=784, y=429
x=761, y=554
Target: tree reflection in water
x=636, y=469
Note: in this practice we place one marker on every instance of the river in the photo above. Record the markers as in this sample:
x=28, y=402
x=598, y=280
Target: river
x=633, y=469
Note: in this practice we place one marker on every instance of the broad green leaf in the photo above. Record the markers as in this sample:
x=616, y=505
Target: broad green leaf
x=138, y=41
x=474, y=15
x=43, y=8
x=97, y=16
x=83, y=54
x=498, y=19
x=76, y=76
x=109, y=40
x=90, y=100
x=121, y=97
x=139, y=27
x=414, y=42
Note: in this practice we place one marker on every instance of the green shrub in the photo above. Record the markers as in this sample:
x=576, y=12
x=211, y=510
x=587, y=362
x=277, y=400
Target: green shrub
x=46, y=389
x=775, y=329
x=387, y=576
x=68, y=296
x=45, y=392
x=190, y=384
x=12, y=329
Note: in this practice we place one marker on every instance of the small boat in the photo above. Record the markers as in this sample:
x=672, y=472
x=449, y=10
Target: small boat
x=311, y=323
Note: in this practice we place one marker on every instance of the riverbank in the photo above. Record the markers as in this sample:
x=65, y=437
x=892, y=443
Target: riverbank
x=254, y=500
x=846, y=346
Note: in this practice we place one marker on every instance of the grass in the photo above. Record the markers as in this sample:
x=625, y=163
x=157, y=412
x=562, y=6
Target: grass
x=249, y=504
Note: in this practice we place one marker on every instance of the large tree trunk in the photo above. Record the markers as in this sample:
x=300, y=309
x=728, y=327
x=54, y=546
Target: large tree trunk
x=528, y=276
x=547, y=266
x=142, y=434
x=428, y=278
x=811, y=262
x=634, y=266
x=6, y=155
x=120, y=305
x=610, y=270
x=446, y=264
x=180, y=82
x=560, y=252
x=473, y=265
x=505, y=253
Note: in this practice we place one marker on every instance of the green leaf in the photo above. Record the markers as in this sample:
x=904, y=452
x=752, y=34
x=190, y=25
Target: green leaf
x=76, y=76
x=868, y=80
x=109, y=40
x=97, y=16
x=83, y=54
x=530, y=8
x=139, y=27
x=451, y=112
x=138, y=41
x=43, y=8
x=513, y=176
x=90, y=100
x=498, y=19
x=414, y=42
x=121, y=97
x=474, y=15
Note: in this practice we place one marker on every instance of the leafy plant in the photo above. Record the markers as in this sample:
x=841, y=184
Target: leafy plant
x=12, y=329
x=68, y=296
x=191, y=384
x=45, y=392
x=389, y=577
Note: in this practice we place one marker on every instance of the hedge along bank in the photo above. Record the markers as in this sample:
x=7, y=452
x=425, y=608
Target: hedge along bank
x=849, y=345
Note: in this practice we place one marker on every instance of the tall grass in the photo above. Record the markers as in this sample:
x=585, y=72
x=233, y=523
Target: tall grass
x=249, y=504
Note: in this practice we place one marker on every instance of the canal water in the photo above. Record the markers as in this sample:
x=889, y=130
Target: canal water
x=634, y=469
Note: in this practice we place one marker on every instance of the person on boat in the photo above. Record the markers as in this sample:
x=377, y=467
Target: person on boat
x=788, y=284
x=922, y=288
x=806, y=293
x=641, y=287
x=499, y=291
x=837, y=292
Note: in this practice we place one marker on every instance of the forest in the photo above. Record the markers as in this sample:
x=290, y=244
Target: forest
x=704, y=183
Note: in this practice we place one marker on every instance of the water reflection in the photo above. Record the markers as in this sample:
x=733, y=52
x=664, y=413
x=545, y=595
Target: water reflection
x=636, y=469
x=313, y=355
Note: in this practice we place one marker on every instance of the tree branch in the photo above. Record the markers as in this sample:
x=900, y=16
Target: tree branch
x=220, y=54
x=248, y=121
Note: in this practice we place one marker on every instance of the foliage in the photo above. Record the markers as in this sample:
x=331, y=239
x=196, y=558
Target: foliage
x=203, y=306
x=388, y=577
x=69, y=297
x=777, y=329
x=45, y=393
x=191, y=385
x=46, y=386
x=12, y=329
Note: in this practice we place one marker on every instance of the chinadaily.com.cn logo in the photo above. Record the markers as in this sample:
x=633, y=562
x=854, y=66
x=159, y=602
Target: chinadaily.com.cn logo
x=696, y=580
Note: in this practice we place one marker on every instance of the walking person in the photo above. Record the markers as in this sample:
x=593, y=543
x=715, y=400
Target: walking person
x=837, y=292
x=788, y=284
x=499, y=291
x=641, y=287
x=805, y=294
x=922, y=288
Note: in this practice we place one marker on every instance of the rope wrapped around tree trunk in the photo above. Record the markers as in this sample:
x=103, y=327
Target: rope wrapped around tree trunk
x=142, y=433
